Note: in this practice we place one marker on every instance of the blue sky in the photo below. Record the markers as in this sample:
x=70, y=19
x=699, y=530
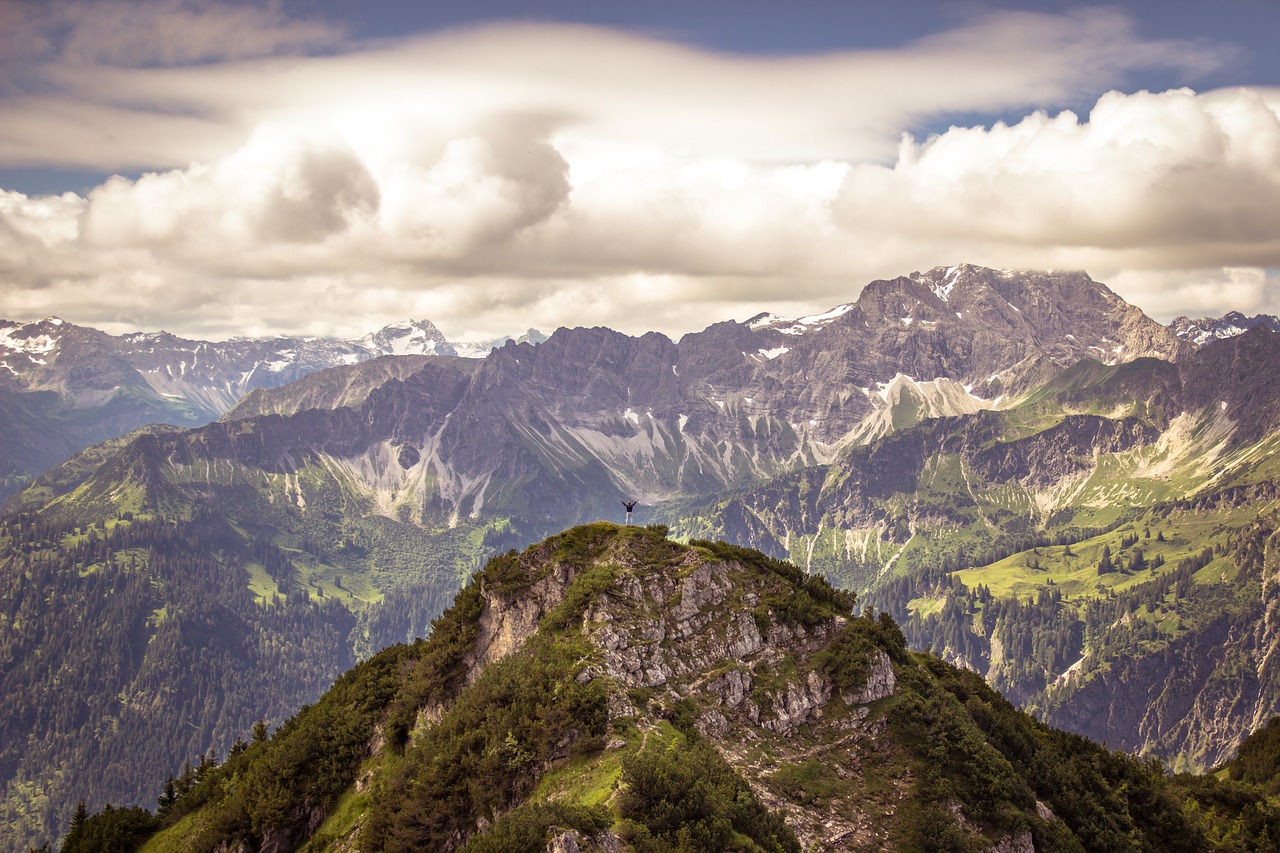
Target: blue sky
x=321, y=167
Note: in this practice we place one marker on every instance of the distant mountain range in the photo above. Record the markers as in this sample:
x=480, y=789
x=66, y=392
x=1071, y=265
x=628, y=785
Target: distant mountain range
x=65, y=387
x=87, y=386
x=960, y=446
x=1200, y=332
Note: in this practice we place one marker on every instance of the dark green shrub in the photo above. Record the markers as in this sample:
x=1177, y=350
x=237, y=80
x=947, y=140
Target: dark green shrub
x=687, y=798
x=528, y=828
x=111, y=830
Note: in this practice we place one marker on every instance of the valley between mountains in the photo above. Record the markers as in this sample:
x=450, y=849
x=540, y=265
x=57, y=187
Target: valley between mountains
x=1036, y=481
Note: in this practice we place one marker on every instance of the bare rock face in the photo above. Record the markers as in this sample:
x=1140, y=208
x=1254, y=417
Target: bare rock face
x=572, y=841
x=640, y=652
x=796, y=704
x=507, y=621
x=988, y=329
x=1019, y=843
x=880, y=682
x=732, y=688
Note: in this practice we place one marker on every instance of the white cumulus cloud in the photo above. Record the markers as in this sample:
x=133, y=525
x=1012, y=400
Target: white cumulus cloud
x=1159, y=183
x=514, y=175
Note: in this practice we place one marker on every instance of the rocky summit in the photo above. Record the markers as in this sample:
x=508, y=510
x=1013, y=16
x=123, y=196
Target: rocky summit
x=611, y=690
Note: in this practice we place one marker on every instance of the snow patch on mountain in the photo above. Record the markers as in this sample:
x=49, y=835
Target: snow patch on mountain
x=827, y=316
x=943, y=290
x=942, y=396
x=765, y=321
x=22, y=339
x=410, y=337
x=801, y=325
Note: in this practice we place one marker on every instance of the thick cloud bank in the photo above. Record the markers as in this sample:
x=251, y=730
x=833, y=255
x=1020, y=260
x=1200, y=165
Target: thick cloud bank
x=510, y=176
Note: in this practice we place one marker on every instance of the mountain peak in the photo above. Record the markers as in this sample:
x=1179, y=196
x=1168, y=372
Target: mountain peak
x=943, y=289
x=407, y=337
x=942, y=280
x=799, y=325
x=1206, y=329
x=32, y=339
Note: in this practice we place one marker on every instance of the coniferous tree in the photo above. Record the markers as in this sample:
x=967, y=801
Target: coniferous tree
x=260, y=731
x=77, y=821
x=168, y=798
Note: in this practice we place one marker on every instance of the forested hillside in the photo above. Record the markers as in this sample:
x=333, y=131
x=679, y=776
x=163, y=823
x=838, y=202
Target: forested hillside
x=133, y=644
x=541, y=712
